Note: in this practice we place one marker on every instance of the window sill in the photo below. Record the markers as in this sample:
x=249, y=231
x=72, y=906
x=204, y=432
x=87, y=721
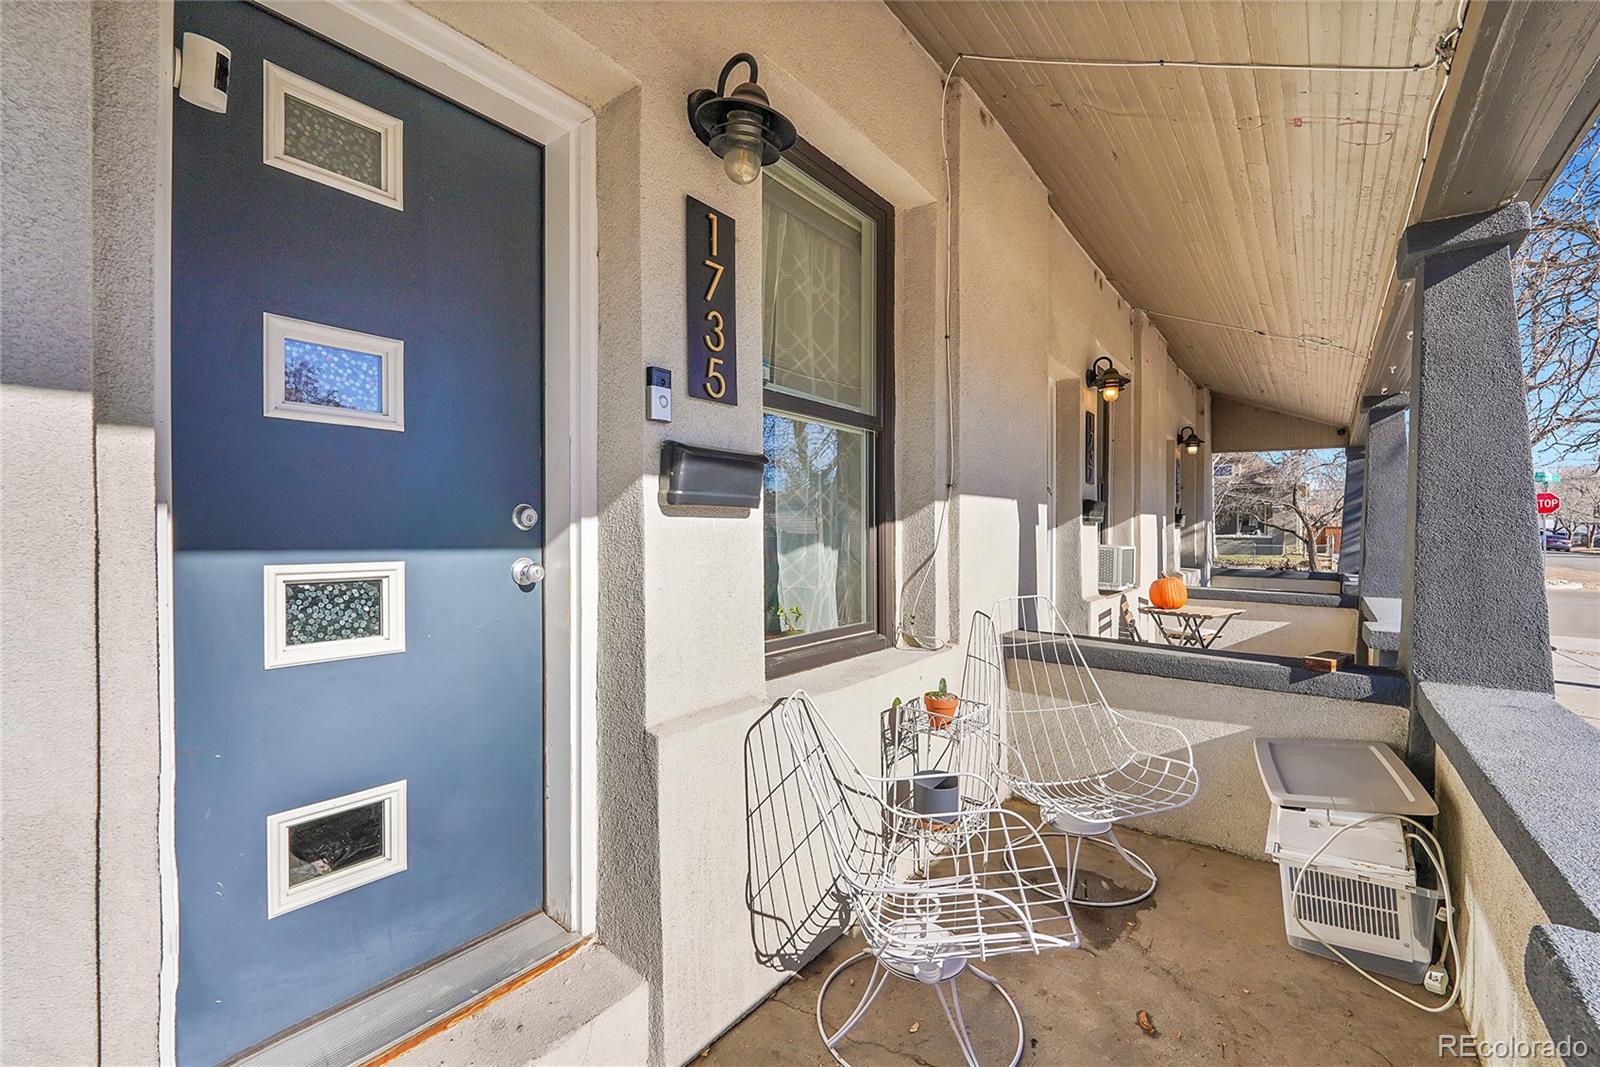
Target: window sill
x=783, y=663
x=890, y=669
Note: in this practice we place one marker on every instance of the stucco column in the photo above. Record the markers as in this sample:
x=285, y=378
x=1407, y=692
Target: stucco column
x=1355, y=480
x=1207, y=498
x=1385, y=473
x=1474, y=610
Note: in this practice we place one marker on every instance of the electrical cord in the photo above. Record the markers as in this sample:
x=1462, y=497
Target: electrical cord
x=1435, y=854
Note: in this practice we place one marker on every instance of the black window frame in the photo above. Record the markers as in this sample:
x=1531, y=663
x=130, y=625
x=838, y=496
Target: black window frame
x=789, y=655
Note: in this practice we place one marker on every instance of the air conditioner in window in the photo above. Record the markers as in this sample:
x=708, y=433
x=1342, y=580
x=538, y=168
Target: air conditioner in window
x=1117, y=567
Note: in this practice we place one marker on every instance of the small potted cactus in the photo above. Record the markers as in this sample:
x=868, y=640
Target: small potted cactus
x=941, y=705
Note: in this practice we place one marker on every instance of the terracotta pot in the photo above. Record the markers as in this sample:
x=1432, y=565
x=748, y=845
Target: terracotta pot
x=941, y=709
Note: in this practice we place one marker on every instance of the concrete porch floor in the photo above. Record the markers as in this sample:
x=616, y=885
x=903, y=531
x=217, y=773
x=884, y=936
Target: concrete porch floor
x=1205, y=957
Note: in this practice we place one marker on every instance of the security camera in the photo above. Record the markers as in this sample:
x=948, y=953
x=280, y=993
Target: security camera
x=200, y=72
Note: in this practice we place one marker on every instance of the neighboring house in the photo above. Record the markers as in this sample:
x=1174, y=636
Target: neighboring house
x=1261, y=530
x=1244, y=531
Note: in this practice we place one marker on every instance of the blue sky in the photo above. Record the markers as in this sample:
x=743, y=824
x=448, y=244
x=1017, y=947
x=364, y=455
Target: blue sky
x=1548, y=455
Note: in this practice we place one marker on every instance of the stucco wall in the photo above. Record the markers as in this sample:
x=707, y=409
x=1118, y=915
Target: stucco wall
x=1222, y=723
x=1279, y=582
x=1497, y=910
x=1029, y=307
x=1285, y=629
x=47, y=515
x=681, y=656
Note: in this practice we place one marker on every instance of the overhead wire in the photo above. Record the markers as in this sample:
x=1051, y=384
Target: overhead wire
x=1442, y=54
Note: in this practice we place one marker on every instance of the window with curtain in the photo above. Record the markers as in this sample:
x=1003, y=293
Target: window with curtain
x=825, y=291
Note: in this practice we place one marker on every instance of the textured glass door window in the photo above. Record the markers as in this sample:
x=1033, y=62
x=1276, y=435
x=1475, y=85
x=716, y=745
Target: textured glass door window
x=329, y=376
x=333, y=611
x=317, y=136
x=313, y=131
x=818, y=308
x=817, y=510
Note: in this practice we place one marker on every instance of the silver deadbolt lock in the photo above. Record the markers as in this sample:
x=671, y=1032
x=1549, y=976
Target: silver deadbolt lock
x=526, y=572
x=523, y=517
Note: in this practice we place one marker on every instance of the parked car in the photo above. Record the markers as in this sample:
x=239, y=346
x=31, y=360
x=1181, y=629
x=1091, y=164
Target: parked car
x=1557, y=541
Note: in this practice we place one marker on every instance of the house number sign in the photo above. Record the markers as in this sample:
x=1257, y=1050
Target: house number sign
x=708, y=273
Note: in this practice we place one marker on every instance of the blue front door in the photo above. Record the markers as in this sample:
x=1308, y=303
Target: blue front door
x=356, y=467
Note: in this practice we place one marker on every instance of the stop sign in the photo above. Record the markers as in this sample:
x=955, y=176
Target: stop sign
x=1547, y=503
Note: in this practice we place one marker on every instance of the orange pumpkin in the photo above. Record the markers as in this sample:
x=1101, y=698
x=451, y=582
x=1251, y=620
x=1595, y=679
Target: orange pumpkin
x=1168, y=592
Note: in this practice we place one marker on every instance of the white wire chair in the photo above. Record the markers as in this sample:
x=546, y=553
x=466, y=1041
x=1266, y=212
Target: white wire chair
x=1085, y=764
x=983, y=885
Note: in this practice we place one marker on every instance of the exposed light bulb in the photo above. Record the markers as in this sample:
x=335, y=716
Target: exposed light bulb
x=742, y=165
x=742, y=135
x=1110, y=392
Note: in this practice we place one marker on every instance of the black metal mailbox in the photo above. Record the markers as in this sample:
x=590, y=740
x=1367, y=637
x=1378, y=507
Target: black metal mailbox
x=711, y=477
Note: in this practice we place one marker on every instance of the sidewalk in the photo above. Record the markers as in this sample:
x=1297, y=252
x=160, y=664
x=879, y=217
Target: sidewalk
x=1577, y=667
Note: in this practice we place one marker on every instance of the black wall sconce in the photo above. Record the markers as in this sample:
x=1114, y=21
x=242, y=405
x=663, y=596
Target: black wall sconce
x=1107, y=379
x=1190, y=441
x=741, y=127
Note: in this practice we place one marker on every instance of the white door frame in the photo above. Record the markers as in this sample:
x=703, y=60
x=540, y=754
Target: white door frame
x=416, y=46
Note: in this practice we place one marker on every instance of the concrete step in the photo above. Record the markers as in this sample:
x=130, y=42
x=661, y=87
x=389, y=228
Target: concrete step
x=589, y=1009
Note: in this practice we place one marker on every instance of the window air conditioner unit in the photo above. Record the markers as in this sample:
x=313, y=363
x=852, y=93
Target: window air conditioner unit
x=1362, y=895
x=1117, y=567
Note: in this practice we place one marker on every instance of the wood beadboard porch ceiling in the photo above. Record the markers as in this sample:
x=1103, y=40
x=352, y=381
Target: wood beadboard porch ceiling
x=1268, y=200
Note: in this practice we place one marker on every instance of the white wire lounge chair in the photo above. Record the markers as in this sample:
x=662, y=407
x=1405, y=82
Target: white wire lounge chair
x=1086, y=765
x=972, y=888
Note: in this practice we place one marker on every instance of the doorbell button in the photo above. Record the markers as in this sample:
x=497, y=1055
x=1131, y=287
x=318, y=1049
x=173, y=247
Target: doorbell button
x=658, y=394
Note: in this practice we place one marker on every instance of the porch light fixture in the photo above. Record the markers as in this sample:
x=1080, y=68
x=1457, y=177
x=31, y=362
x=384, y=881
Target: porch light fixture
x=1190, y=441
x=741, y=127
x=1108, y=380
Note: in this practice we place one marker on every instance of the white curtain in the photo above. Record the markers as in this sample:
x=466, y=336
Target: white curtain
x=812, y=331
x=817, y=515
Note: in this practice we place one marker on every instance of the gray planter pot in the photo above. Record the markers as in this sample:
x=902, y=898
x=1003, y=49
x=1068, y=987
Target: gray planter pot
x=936, y=795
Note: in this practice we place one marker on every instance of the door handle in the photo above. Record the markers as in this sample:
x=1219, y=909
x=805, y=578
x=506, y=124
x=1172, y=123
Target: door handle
x=526, y=572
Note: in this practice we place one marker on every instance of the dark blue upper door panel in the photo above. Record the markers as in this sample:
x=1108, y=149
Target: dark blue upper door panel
x=457, y=275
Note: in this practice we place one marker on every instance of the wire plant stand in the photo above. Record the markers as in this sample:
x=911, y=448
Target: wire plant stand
x=930, y=898
x=964, y=744
x=1087, y=766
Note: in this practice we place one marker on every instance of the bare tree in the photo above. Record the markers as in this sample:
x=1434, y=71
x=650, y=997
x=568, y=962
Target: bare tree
x=1300, y=492
x=1579, y=490
x=1558, y=301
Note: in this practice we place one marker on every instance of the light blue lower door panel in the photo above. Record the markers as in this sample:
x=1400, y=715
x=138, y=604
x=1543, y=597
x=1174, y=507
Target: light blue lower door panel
x=455, y=716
